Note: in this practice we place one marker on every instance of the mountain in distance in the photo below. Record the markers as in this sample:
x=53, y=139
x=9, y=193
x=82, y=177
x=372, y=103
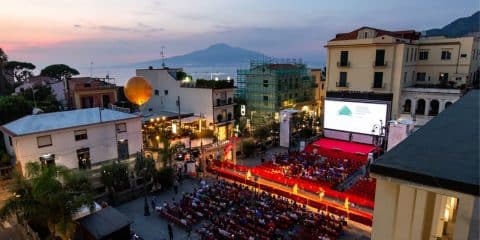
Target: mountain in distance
x=219, y=54
x=459, y=27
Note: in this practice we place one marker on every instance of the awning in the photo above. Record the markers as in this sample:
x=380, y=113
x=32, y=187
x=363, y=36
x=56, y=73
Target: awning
x=105, y=222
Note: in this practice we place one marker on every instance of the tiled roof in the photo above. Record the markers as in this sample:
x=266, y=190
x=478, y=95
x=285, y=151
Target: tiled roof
x=406, y=34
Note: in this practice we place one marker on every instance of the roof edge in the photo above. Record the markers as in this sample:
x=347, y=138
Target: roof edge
x=431, y=181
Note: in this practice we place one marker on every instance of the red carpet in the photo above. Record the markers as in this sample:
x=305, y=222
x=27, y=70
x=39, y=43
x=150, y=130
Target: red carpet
x=341, y=149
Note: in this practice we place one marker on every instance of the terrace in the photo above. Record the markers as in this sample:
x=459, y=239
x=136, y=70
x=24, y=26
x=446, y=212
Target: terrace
x=210, y=84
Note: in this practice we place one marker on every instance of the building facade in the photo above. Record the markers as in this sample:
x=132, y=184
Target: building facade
x=208, y=99
x=380, y=62
x=319, y=77
x=77, y=139
x=87, y=92
x=432, y=192
x=270, y=86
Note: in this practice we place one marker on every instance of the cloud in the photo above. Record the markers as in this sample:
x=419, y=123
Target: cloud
x=139, y=28
x=77, y=26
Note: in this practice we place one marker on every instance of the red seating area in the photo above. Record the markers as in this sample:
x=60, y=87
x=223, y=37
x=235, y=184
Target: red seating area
x=354, y=215
x=364, y=187
x=265, y=216
x=338, y=149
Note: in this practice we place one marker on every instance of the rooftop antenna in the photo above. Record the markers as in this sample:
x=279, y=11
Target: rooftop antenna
x=91, y=67
x=162, y=55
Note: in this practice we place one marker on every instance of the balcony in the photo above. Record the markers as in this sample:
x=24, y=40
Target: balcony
x=223, y=102
x=343, y=64
x=342, y=84
x=380, y=64
x=379, y=86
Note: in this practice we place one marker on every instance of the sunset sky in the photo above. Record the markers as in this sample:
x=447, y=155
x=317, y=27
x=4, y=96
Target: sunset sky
x=111, y=32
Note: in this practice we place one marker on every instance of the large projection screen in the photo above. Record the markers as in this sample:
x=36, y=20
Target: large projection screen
x=358, y=117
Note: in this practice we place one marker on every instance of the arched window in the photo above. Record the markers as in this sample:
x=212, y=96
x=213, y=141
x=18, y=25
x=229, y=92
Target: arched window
x=407, y=106
x=420, y=110
x=447, y=104
x=434, y=105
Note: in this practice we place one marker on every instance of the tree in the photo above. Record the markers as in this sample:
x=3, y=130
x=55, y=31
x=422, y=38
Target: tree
x=59, y=71
x=44, y=98
x=49, y=195
x=3, y=78
x=21, y=71
x=145, y=167
x=13, y=107
x=167, y=152
x=115, y=177
x=248, y=148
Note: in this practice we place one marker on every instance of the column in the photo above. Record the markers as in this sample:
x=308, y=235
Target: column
x=418, y=217
x=385, y=210
x=427, y=106
x=405, y=208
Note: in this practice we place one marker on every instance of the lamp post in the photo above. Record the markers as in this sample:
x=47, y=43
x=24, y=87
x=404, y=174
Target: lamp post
x=146, y=209
x=381, y=128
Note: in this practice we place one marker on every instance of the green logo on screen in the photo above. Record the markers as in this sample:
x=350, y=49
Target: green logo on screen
x=345, y=111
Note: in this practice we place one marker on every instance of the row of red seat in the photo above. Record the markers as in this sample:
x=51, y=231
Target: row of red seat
x=357, y=216
x=364, y=187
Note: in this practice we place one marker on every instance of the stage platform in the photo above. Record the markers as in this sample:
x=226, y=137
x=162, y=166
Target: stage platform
x=340, y=149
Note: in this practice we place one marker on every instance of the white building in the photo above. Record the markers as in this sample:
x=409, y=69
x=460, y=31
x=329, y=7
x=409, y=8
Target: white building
x=76, y=139
x=57, y=87
x=214, y=103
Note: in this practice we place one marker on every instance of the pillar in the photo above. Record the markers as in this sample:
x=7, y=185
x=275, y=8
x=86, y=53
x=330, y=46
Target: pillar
x=405, y=207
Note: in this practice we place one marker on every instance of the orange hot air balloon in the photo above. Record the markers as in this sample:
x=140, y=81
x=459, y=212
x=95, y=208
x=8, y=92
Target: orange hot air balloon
x=138, y=90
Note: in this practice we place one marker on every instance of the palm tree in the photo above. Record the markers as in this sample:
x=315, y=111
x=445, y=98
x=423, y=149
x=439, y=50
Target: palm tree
x=49, y=195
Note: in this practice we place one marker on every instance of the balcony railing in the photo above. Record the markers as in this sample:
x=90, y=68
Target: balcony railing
x=343, y=64
x=342, y=84
x=379, y=86
x=380, y=64
x=222, y=102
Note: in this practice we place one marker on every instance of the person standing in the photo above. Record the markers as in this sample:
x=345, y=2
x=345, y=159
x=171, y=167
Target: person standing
x=170, y=231
x=189, y=231
x=175, y=186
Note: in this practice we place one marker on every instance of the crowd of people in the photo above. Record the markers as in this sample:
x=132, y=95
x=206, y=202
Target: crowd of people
x=313, y=167
x=233, y=211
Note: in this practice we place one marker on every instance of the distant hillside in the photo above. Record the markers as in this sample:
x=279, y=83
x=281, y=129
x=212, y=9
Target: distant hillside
x=216, y=55
x=459, y=27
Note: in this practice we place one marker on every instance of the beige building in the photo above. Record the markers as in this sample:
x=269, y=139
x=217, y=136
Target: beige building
x=379, y=65
x=432, y=193
x=321, y=91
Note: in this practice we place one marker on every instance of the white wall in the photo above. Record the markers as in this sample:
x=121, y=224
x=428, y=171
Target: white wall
x=192, y=100
x=101, y=141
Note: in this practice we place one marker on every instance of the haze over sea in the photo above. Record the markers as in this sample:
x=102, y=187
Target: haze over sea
x=122, y=74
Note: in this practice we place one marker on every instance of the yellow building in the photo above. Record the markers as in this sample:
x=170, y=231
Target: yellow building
x=378, y=64
x=432, y=192
x=321, y=91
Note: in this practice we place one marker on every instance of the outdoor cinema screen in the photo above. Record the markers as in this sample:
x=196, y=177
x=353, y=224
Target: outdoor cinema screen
x=355, y=117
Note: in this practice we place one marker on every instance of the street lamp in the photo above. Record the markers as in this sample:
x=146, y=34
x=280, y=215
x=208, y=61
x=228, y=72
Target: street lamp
x=146, y=209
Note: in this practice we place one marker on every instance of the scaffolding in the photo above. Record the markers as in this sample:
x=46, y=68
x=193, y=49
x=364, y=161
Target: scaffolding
x=270, y=85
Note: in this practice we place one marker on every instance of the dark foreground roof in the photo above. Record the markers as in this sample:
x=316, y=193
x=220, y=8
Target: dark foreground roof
x=444, y=153
x=104, y=222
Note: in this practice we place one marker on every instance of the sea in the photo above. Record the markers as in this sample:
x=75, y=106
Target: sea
x=123, y=73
